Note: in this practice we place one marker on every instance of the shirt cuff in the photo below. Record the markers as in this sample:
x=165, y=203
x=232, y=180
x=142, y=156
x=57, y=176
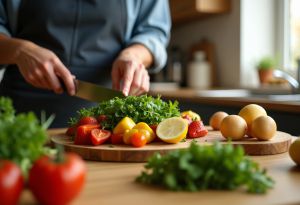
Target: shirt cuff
x=4, y=31
x=156, y=48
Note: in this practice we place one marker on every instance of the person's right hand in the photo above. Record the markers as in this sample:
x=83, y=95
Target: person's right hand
x=42, y=68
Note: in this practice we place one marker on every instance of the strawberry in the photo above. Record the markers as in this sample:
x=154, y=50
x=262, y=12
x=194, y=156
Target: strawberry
x=197, y=129
x=88, y=120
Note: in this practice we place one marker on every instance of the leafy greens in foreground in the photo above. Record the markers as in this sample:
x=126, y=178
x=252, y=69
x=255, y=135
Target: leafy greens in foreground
x=206, y=167
x=139, y=108
x=21, y=136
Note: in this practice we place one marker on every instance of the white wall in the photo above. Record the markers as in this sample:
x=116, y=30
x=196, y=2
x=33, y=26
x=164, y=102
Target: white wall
x=222, y=30
x=240, y=38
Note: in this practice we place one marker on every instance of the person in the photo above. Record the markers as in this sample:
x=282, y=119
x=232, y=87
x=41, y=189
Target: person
x=112, y=43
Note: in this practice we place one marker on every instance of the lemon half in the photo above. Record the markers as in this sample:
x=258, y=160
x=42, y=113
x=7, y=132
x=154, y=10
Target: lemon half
x=172, y=130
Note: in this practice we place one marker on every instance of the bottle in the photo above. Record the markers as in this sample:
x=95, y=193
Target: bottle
x=199, y=72
x=174, y=72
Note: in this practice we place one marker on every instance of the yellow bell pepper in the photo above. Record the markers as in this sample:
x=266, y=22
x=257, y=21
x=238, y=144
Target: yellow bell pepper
x=125, y=124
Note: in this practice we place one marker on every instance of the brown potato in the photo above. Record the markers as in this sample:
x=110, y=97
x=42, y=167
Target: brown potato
x=216, y=119
x=263, y=128
x=233, y=127
x=250, y=113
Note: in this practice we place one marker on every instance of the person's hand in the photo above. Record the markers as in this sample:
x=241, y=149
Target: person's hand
x=129, y=73
x=42, y=68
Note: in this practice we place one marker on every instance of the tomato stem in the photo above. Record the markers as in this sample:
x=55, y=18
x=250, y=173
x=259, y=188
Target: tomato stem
x=60, y=155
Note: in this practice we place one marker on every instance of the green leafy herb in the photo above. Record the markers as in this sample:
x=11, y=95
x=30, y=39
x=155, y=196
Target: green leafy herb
x=206, y=167
x=141, y=109
x=7, y=112
x=21, y=136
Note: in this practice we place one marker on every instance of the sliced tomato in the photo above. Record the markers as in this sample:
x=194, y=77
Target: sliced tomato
x=83, y=134
x=99, y=136
x=138, y=139
x=87, y=121
x=116, y=139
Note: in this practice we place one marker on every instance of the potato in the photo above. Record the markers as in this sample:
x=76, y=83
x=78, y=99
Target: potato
x=216, y=119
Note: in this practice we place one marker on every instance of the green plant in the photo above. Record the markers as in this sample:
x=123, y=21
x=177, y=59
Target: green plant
x=266, y=63
x=22, y=137
x=202, y=167
x=142, y=108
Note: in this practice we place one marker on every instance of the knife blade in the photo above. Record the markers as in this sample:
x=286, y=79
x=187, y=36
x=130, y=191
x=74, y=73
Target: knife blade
x=95, y=93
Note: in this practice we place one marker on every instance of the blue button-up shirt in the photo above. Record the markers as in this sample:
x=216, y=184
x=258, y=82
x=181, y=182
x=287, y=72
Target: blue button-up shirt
x=148, y=23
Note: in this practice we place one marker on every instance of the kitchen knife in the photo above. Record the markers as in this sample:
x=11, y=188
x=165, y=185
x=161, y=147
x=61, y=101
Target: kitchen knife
x=95, y=93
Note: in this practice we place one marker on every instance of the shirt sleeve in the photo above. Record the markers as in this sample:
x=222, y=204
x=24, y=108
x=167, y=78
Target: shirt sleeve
x=3, y=19
x=152, y=29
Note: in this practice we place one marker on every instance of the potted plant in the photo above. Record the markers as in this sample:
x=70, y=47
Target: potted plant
x=265, y=69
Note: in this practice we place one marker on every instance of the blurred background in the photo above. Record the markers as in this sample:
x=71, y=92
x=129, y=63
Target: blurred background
x=236, y=36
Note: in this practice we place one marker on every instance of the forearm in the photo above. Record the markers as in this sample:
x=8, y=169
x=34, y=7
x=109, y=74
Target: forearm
x=140, y=52
x=10, y=49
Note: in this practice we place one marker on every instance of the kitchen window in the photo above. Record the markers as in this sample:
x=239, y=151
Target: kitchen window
x=289, y=34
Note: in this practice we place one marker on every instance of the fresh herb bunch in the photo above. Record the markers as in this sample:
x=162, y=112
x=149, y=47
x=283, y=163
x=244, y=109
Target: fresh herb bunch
x=206, y=167
x=140, y=108
x=21, y=136
x=7, y=112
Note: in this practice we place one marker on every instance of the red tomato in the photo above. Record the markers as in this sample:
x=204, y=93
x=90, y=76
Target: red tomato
x=99, y=136
x=71, y=131
x=153, y=127
x=117, y=139
x=156, y=139
x=11, y=182
x=83, y=134
x=87, y=121
x=138, y=139
x=101, y=118
x=57, y=182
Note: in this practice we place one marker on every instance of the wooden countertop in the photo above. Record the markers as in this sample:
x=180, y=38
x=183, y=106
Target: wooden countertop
x=113, y=183
x=183, y=94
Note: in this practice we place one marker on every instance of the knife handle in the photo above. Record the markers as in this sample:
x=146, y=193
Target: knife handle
x=63, y=86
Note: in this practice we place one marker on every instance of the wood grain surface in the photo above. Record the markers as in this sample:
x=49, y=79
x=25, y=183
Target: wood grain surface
x=125, y=153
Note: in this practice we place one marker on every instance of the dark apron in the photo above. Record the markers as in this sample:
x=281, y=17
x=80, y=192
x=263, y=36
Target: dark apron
x=86, y=35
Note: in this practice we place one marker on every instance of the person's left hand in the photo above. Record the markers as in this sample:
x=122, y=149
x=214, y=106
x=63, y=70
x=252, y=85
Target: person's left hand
x=129, y=74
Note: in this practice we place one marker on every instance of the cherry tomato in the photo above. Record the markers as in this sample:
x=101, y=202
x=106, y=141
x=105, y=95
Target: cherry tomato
x=99, y=136
x=83, y=134
x=57, y=182
x=138, y=139
x=71, y=131
x=11, y=182
x=101, y=118
x=153, y=127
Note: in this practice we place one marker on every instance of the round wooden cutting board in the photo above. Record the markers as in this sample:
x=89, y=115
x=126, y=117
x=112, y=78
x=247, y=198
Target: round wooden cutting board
x=125, y=153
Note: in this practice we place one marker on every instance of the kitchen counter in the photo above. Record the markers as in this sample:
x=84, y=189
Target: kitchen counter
x=113, y=183
x=192, y=95
x=206, y=102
